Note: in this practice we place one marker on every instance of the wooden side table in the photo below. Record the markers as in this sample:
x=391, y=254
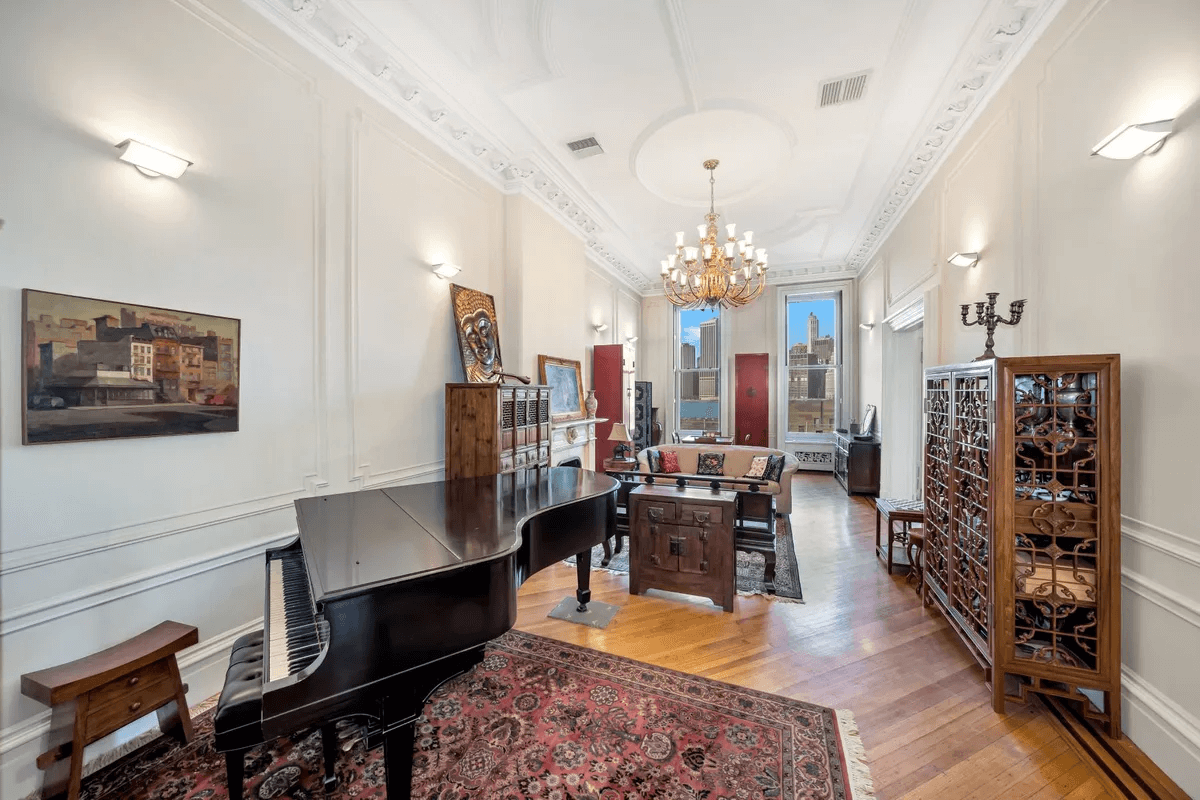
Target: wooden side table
x=906, y=512
x=96, y=695
x=620, y=465
x=681, y=539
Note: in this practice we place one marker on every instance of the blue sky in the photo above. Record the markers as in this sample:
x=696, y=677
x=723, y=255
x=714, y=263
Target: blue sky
x=689, y=324
x=798, y=319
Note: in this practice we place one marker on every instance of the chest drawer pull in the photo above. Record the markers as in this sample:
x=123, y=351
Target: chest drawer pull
x=134, y=680
x=701, y=517
x=135, y=706
x=654, y=514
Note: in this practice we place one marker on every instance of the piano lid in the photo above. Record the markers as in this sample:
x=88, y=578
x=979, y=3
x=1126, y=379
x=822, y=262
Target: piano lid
x=357, y=540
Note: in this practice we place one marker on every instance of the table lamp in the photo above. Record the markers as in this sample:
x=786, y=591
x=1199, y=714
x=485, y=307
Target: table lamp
x=620, y=434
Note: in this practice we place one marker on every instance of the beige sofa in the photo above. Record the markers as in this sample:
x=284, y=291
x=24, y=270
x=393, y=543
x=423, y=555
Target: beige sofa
x=737, y=462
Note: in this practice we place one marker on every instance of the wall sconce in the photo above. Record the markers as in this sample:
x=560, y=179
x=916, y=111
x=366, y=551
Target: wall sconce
x=866, y=326
x=1130, y=141
x=446, y=270
x=631, y=339
x=152, y=161
x=600, y=327
x=964, y=259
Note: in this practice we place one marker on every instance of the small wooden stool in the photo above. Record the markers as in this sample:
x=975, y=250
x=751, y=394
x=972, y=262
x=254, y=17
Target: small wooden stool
x=905, y=512
x=916, y=557
x=96, y=695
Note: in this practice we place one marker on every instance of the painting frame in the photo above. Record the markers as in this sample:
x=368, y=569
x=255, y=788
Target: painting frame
x=564, y=376
x=94, y=370
x=478, y=346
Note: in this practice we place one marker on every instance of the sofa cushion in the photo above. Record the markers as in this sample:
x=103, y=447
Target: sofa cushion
x=710, y=464
x=670, y=462
x=654, y=459
x=758, y=467
x=774, y=469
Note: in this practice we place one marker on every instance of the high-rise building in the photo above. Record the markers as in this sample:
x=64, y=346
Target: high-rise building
x=710, y=357
x=689, y=382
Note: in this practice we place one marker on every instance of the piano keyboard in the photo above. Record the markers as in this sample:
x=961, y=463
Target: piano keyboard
x=295, y=636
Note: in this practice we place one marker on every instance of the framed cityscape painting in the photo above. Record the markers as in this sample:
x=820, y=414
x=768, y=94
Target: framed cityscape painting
x=102, y=369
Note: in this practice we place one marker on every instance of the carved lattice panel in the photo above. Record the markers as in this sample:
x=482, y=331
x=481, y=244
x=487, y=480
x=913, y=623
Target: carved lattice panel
x=937, y=484
x=970, y=594
x=1056, y=519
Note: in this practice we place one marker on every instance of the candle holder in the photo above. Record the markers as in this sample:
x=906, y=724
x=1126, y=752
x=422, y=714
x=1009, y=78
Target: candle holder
x=985, y=314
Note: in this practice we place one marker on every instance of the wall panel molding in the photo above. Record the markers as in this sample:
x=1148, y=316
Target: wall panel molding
x=63, y=605
x=1164, y=541
x=1174, y=721
x=1165, y=598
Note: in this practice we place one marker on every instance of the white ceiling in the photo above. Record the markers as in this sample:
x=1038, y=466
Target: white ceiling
x=665, y=84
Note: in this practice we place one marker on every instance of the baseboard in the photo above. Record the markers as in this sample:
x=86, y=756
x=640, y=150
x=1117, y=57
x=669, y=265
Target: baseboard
x=202, y=667
x=1127, y=771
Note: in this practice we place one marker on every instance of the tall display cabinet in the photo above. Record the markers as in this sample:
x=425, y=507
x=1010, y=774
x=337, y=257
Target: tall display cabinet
x=1023, y=523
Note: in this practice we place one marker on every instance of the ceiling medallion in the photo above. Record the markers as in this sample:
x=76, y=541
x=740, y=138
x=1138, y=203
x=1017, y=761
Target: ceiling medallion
x=709, y=274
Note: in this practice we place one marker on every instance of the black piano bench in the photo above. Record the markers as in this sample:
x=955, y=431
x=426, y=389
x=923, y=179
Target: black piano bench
x=237, y=721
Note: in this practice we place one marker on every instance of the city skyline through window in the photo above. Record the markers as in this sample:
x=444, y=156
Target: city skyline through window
x=813, y=363
x=698, y=374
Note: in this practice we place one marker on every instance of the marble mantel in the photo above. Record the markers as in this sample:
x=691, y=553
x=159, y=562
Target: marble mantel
x=573, y=438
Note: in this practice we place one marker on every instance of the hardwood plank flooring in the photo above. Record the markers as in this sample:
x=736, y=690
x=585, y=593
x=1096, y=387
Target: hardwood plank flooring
x=861, y=641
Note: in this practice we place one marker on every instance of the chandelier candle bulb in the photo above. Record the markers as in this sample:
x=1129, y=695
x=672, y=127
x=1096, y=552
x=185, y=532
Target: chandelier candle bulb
x=702, y=230
x=708, y=248
x=749, y=237
x=731, y=229
x=665, y=268
x=679, y=238
x=729, y=249
x=671, y=259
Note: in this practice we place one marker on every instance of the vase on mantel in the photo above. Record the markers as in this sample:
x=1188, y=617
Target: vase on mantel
x=590, y=403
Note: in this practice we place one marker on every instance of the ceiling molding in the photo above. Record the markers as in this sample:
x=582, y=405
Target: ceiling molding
x=682, y=52
x=999, y=45
x=341, y=37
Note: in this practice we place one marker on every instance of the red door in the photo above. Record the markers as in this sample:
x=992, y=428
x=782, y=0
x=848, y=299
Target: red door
x=751, y=404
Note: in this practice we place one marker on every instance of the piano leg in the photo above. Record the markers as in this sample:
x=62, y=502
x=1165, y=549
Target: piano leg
x=398, y=759
x=583, y=572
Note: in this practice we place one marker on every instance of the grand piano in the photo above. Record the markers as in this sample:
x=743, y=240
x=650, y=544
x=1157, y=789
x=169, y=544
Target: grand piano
x=387, y=593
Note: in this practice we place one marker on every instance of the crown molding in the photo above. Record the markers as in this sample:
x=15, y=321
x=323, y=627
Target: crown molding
x=996, y=48
x=337, y=34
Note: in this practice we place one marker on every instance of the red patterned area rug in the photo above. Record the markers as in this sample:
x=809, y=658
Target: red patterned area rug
x=543, y=719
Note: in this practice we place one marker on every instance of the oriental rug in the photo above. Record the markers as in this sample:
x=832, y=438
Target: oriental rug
x=542, y=719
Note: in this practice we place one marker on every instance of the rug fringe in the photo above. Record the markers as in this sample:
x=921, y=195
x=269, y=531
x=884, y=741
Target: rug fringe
x=859, y=775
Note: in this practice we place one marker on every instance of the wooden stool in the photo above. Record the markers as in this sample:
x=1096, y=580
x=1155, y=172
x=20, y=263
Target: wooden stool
x=916, y=557
x=94, y=696
x=905, y=512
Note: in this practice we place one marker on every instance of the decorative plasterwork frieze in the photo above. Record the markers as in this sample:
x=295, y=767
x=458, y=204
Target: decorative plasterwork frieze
x=1014, y=26
x=336, y=32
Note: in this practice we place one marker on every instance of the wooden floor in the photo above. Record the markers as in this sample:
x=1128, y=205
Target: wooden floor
x=861, y=641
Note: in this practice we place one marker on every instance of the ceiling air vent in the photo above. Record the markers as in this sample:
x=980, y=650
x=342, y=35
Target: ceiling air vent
x=844, y=90
x=585, y=147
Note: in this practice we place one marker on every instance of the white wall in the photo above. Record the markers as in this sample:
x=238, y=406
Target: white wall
x=311, y=214
x=1105, y=253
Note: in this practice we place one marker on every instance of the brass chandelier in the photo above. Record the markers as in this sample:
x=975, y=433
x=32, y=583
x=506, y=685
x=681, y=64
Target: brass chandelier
x=710, y=274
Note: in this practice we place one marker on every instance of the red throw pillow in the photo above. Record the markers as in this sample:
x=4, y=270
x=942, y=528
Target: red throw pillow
x=670, y=461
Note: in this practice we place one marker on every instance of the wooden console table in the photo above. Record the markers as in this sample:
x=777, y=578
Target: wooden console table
x=96, y=695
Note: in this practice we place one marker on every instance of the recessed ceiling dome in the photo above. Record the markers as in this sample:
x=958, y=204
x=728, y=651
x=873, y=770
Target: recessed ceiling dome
x=751, y=148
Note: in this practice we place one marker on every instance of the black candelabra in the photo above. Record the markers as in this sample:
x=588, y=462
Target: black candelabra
x=985, y=314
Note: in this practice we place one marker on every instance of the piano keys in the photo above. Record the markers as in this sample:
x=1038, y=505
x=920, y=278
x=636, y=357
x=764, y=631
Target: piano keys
x=387, y=593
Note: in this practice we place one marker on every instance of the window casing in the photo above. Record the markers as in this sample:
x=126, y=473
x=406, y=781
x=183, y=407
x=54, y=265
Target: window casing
x=812, y=364
x=698, y=378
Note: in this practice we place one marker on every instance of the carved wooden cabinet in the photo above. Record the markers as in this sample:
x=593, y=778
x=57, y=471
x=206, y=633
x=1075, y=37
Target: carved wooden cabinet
x=1023, y=522
x=494, y=428
x=681, y=539
x=856, y=464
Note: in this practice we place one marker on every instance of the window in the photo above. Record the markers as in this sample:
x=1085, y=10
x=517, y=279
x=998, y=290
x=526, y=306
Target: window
x=698, y=370
x=813, y=365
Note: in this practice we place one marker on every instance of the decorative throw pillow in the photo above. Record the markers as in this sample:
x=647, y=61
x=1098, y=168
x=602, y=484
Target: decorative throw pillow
x=710, y=464
x=774, y=470
x=758, y=467
x=669, y=462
